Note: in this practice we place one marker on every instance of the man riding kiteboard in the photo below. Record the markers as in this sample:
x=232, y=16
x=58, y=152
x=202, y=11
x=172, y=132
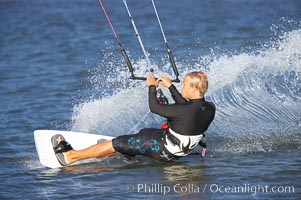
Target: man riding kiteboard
x=188, y=118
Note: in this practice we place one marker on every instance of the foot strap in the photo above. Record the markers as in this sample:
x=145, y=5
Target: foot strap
x=62, y=147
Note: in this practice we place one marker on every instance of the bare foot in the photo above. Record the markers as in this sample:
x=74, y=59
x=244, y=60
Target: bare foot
x=203, y=154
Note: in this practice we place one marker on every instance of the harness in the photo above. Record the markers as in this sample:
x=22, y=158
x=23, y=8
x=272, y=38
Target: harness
x=180, y=145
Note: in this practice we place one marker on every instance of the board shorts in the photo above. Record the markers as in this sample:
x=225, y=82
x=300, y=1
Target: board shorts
x=163, y=145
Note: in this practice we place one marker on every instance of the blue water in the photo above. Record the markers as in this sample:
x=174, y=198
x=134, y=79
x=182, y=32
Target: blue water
x=61, y=68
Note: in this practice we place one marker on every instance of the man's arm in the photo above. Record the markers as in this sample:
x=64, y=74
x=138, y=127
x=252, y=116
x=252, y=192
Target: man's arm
x=177, y=97
x=168, y=111
x=166, y=82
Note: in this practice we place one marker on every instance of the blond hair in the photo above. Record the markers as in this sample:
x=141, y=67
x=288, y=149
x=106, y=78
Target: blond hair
x=199, y=80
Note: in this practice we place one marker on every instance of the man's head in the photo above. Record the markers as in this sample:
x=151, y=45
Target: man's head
x=195, y=85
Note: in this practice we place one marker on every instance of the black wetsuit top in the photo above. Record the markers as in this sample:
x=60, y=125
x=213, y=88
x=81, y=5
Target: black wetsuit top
x=184, y=117
x=191, y=117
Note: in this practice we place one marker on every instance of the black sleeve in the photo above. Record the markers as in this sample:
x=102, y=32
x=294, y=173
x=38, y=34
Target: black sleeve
x=168, y=111
x=213, y=110
x=177, y=97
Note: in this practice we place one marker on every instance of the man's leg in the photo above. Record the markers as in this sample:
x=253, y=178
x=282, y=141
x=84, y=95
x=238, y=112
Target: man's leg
x=96, y=151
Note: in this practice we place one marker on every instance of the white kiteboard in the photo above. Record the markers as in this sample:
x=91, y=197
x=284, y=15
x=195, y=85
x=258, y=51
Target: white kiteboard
x=76, y=139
